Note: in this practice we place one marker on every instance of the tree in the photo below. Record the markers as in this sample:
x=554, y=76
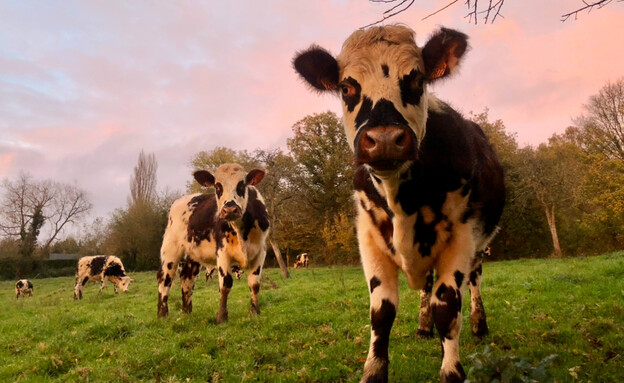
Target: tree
x=601, y=131
x=29, y=205
x=143, y=181
x=321, y=182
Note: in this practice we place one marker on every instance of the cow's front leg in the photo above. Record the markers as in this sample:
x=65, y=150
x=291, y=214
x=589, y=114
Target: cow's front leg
x=225, y=285
x=446, y=305
x=187, y=281
x=425, y=319
x=102, y=285
x=478, y=320
x=381, y=276
x=80, y=284
x=253, y=280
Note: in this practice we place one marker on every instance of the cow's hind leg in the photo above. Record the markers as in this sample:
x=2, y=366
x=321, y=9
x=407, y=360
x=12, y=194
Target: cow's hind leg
x=187, y=281
x=225, y=285
x=446, y=305
x=425, y=319
x=382, y=279
x=170, y=254
x=478, y=320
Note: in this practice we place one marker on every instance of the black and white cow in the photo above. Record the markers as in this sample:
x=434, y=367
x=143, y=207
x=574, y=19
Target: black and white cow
x=302, y=260
x=23, y=287
x=429, y=188
x=230, y=225
x=101, y=268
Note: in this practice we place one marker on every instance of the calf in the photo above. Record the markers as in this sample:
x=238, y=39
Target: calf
x=101, y=268
x=230, y=225
x=429, y=188
x=23, y=287
x=301, y=260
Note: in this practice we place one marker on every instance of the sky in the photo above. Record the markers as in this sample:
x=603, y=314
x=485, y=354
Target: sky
x=86, y=85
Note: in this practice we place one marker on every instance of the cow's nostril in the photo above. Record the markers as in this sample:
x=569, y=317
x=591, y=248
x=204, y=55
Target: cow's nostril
x=368, y=141
x=400, y=140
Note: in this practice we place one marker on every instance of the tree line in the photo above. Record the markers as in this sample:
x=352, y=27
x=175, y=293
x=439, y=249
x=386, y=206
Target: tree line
x=565, y=197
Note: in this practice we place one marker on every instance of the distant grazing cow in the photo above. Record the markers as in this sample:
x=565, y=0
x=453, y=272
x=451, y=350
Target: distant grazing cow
x=23, y=287
x=301, y=260
x=101, y=268
x=210, y=271
x=236, y=269
x=429, y=188
x=230, y=225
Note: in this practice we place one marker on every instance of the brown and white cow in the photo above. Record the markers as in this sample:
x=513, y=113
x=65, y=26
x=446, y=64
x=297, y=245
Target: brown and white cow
x=23, y=287
x=302, y=260
x=230, y=225
x=101, y=268
x=429, y=188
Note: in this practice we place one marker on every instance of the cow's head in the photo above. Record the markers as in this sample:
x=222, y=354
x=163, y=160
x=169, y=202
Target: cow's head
x=231, y=182
x=124, y=282
x=382, y=77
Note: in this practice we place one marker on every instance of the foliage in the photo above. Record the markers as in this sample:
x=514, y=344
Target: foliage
x=491, y=368
x=314, y=327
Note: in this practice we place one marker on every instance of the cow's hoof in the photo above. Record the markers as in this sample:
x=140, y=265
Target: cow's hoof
x=424, y=334
x=222, y=316
x=254, y=310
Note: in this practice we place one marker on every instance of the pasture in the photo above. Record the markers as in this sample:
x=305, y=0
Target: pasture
x=313, y=327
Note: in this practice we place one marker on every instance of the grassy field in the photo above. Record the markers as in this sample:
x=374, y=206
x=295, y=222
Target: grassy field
x=313, y=328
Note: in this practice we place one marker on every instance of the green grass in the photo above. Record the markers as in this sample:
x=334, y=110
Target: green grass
x=313, y=328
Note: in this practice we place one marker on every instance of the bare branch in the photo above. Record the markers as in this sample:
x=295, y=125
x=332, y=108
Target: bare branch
x=440, y=10
x=388, y=14
x=588, y=6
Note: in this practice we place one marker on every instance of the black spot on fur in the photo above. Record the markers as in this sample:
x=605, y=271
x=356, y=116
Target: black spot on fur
x=255, y=213
x=203, y=218
x=221, y=273
x=353, y=100
x=362, y=181
x=19, y=284
x=445, y=313
x=385, y=70
x=255, y=288
x=459, y=278
x=454, y=377
x=114, y=269
x=425, y=235
x=189, y=270
x=96, y=265
x=240, y=188
x=381, y=323
x=257, y=271
x=364, y=112
x=412, y=87
x=429, y=283
x=227, y=280
x=30, y=285
x=374, y=282
x=168, y=280
x=85, y=280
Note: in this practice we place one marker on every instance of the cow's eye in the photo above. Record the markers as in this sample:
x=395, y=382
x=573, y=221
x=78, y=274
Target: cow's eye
x=219, y=189
x=347, y=90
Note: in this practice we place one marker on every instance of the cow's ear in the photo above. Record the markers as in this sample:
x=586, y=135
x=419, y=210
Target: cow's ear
x=318, y=68
x=442, y=53
x=254, y=177
x=204, y=178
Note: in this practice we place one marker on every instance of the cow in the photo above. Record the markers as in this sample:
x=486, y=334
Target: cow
x=230, y=225
x=428, y=187
x=301, y=260
x=236, y=269
x=23, y=287
x=101, y=268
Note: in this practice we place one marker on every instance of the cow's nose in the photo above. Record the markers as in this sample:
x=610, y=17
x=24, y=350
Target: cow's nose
x=231, y=211
x=385, y=146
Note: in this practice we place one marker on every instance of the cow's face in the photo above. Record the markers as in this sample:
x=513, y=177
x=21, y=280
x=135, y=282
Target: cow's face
x=231, y=183
x=382, y=76
x=124, y=282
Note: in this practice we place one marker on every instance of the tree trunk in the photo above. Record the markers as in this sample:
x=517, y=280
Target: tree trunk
x=550, y=217
x=278, y=256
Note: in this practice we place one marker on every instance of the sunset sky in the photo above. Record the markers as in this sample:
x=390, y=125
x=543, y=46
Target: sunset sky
x=86, y=85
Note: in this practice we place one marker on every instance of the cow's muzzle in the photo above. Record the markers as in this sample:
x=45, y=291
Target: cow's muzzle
x=231, y=211
x=385, y=148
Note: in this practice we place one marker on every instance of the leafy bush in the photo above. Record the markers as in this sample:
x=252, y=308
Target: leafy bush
x=489, y=367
